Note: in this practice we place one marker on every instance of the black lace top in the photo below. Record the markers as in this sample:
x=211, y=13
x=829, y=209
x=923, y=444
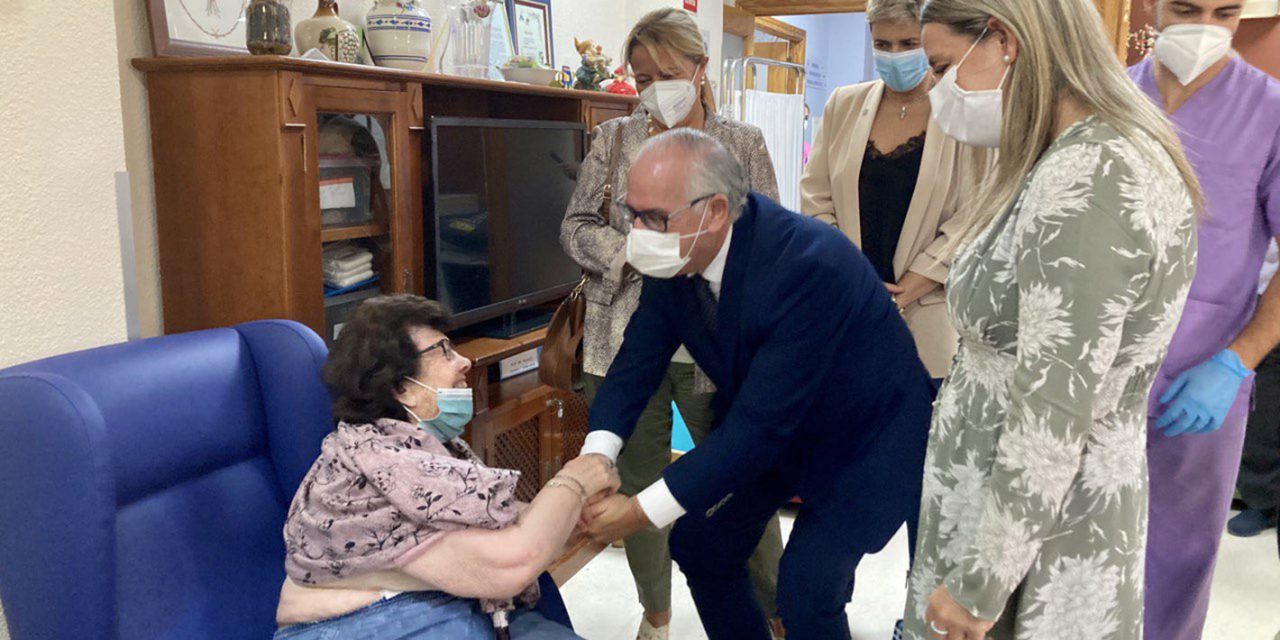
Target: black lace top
x=884, y=194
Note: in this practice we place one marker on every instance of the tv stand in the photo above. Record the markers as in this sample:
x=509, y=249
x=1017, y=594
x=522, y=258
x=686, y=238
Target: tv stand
x=514, y=324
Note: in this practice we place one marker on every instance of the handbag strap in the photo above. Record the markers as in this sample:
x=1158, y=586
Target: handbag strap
x=615, y=152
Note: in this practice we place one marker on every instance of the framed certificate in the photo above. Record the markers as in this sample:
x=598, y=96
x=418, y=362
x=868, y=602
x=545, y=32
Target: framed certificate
x=531, y=23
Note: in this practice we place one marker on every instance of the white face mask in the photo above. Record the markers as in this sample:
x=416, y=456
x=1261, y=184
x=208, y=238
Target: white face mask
x=1189, y=49
x=657, y=254
x=971, y=117
x=670, y=101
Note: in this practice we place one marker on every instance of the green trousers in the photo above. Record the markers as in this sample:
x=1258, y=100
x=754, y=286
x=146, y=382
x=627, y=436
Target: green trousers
x=641, y=463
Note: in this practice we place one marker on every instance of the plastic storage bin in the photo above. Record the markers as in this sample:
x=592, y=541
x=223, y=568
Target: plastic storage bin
x=346, y=189
x=339, y=308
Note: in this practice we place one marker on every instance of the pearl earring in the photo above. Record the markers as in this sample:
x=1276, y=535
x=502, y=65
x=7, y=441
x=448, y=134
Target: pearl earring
x=1008, y=60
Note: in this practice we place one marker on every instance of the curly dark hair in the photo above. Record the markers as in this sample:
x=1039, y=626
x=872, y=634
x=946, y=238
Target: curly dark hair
x=375, y=352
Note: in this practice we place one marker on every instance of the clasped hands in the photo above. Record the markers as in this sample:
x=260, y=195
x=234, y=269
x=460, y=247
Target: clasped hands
x=608, y=515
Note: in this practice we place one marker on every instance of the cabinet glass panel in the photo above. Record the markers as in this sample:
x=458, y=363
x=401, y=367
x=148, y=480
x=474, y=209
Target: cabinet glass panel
x=355, y=173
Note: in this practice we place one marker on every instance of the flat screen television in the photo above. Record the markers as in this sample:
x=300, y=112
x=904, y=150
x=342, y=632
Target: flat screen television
x=497, y=194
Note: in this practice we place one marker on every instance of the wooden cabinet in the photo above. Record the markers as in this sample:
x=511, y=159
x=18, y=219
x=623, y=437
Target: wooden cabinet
x=240, y=147
x=596, y=113
x=520, y=422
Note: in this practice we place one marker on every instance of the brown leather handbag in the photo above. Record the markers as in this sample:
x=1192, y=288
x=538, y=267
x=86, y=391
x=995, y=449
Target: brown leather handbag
x=560, y=363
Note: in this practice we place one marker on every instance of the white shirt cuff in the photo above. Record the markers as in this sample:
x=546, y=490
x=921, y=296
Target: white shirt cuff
x=659, y=505
x=605, y=443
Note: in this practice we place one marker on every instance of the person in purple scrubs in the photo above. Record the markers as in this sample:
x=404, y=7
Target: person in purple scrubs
x=1228, y=115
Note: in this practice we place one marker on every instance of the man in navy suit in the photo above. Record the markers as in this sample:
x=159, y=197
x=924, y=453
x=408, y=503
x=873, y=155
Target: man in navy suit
x=820, y=392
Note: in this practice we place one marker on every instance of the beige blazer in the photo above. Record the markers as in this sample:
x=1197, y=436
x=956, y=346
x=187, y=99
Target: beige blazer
x=829, y=192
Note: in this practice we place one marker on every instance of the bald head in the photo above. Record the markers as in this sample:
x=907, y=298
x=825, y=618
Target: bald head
x=690, y=186
x=692, y=164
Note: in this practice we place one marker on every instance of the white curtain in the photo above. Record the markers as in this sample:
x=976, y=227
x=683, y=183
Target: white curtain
x=781, y=118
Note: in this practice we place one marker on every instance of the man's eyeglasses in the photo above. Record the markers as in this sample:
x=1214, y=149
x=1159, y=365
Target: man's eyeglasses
x=654, y=219
x=445, y=346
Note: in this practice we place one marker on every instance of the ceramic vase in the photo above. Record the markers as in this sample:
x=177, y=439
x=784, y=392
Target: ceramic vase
x=267, y=28
x=399, y=34
x=326, y=31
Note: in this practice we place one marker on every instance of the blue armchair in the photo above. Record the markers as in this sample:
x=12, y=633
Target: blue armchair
x=144, y=486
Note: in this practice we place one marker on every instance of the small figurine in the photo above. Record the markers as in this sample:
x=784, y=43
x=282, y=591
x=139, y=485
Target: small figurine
x=620, y=86
x=565, y=77
x=595, y=66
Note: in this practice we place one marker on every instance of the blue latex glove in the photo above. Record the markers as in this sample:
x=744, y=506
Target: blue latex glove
x=1198, y=401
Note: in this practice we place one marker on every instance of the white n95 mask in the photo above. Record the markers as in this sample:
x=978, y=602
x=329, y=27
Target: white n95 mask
x=1189, y=49
x=657, y=254
x=971, y=117
x=669, y=101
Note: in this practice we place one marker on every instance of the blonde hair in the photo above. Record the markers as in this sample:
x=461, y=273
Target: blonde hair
x=1063, y=51
x=674, y=32
x=893, y=11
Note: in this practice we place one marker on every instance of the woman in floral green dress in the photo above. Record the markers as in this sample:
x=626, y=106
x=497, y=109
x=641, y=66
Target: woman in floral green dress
x=1065, y=296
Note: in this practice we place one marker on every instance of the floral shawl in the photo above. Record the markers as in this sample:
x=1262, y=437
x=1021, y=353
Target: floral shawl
x=380, y=491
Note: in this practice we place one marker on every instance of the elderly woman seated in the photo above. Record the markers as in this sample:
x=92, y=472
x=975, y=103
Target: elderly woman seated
x=398, y=530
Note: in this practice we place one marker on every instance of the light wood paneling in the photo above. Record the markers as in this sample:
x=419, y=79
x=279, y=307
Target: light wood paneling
x=799, y=7
x=1115, y=18
x=780, y=29
x=738, y=22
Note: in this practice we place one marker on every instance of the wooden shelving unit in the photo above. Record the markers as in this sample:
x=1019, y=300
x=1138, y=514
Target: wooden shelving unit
x=355, y=232
x=236, y=147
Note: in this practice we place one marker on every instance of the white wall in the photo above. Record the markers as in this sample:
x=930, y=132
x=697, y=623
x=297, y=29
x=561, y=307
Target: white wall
x=608, y=22
x=59, y=228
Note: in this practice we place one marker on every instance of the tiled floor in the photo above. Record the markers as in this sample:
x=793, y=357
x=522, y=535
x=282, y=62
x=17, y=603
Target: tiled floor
x=602, y=600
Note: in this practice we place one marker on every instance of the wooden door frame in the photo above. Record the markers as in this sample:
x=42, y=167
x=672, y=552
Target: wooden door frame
x=1115, y=19
x=1115, y=14
x=745, y=25
x=801, y=7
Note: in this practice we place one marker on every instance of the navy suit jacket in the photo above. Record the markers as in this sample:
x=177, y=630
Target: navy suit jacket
x=811, y=360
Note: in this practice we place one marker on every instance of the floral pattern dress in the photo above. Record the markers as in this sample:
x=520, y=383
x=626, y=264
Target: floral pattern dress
x=1035, y=493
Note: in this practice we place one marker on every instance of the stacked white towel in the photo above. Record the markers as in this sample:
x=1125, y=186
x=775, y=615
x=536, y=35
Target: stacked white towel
x=345, y=265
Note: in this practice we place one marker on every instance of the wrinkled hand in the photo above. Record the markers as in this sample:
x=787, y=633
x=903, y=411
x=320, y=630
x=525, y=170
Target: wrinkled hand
x=1199, y=399
x=953, y=620
x=614, y=518
x=596, y=473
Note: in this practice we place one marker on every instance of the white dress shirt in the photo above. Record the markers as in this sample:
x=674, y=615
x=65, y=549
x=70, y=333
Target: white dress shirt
x=656, y=501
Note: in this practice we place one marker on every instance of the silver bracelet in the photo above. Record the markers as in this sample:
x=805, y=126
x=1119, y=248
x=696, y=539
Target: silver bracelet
x=576, y=487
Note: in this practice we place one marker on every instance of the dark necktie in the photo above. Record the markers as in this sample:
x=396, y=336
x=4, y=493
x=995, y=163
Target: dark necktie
x=707, y=302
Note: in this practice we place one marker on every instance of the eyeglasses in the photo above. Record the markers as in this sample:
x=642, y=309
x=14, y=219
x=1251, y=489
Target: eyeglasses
x=655, y=219
x=444, y=345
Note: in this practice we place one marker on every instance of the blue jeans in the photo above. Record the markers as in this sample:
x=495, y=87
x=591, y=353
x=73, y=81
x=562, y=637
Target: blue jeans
x=424, y=615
